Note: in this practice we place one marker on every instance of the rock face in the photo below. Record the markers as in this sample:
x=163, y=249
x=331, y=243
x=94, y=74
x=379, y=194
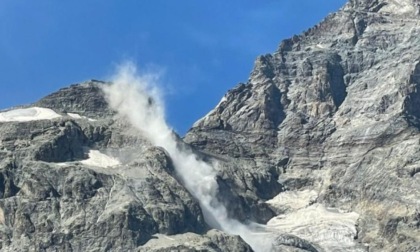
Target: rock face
x=321, y=144
x=86, y=181
x=335, y=111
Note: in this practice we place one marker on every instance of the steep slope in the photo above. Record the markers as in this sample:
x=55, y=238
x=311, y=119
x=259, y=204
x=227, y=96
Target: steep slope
x=333, y=116
x=322, y=145
x=73, y=177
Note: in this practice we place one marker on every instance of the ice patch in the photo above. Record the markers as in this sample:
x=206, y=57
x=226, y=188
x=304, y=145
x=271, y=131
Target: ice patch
x=96, y=158
x=28, y=114
x=329, y=228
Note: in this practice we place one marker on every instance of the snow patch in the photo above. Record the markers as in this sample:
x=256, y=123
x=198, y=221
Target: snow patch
x=293, y=200
x=398, y=7
x=28, y=114
x=77, y=116
x=96, y=158
x=2, y=219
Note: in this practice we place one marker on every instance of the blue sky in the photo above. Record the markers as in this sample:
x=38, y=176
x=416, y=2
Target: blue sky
x=202, y=48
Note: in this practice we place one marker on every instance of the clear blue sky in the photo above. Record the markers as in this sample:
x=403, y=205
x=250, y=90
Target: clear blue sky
x=203, y=48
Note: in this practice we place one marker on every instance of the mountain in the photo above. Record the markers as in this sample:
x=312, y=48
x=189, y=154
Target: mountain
x=318, y=151
x=334, y=115
x=63, y=189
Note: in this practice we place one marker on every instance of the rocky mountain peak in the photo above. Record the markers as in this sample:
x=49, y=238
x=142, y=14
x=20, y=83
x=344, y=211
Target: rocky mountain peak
x=324, y=109
x=389, y=7
x=86, y=99
x=75, y=178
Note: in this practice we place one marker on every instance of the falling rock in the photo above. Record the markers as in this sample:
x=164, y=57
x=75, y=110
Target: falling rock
x=87, y=181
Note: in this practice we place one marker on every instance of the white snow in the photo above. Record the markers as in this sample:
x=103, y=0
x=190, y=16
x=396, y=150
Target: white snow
x=77, y=116
x=321, y=46
x=96, y=158
x=398, y=6
x=293, y=200
x=74, y=115
x=28, y=114
x=2, y=220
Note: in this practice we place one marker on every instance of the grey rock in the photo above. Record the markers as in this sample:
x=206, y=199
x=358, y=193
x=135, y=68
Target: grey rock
x=85, y=99
x=52, y=200
x=213, y=241
x=335, y=110
x=292, y=241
